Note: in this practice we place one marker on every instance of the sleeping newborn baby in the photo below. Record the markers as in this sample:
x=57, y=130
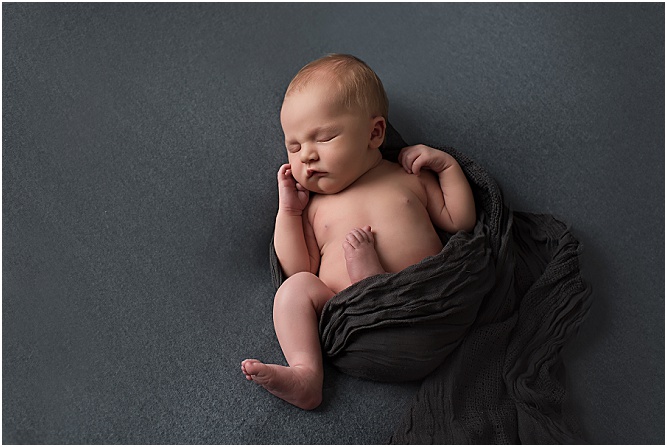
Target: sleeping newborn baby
x=367, y=215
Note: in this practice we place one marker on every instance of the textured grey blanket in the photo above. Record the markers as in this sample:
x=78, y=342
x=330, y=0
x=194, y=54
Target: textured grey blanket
x=483, y=323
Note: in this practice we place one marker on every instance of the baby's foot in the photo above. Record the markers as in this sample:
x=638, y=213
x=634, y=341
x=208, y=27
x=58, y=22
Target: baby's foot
x=297, y=385
x=360, y=255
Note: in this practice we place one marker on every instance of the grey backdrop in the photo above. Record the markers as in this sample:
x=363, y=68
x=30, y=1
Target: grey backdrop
x=140, y=145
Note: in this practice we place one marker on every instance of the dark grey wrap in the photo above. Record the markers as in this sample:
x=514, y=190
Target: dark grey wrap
x=483, y=322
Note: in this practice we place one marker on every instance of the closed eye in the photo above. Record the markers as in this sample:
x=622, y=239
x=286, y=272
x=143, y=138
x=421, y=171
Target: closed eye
x=326, y=139
x=293, y=148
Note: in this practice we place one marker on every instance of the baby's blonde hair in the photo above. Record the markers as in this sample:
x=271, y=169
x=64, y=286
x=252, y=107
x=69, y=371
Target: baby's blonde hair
x=357, y=83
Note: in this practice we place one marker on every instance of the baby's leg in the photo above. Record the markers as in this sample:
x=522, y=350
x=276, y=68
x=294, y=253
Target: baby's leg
x=360, y=255
x=296, y=310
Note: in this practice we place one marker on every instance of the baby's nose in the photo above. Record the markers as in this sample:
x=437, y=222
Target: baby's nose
x=308, y=153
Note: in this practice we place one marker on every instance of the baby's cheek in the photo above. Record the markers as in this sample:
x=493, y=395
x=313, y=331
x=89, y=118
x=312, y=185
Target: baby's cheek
x=299, y=174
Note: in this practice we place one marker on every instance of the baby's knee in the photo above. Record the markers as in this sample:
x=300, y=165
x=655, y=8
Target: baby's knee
x=297, y=282
x=302, y=288
x=294, y=286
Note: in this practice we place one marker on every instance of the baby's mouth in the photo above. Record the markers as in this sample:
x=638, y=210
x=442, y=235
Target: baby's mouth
x=313, y=173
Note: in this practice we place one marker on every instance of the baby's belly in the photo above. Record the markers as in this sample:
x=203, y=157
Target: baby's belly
x=400, y=243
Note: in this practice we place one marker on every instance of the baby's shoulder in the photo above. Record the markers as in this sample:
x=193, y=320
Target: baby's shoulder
x=397, y=176
x=418, y=184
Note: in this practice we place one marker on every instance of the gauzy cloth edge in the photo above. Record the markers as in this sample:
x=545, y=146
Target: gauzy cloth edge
x=484, y=321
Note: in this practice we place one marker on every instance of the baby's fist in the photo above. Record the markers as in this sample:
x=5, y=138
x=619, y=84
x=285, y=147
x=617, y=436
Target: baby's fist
x=293, y=197
x=414, y=158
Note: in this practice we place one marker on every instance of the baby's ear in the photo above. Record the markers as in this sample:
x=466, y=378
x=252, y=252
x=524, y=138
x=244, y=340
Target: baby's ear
x=377, y=132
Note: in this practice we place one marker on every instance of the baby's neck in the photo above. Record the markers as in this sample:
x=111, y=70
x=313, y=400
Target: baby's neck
x=375, y=160
x=373, y=165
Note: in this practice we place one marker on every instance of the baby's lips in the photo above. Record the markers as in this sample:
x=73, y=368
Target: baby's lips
x=312, y=172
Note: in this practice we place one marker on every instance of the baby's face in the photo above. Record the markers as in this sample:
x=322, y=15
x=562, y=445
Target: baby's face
x=327, y=144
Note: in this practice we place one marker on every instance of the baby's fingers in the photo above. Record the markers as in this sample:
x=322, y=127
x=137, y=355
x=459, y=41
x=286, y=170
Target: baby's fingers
x=285, y=174
x=413, y=163
x=283, y=169
x=402, y=156
x=419, y=163
x=407, y=158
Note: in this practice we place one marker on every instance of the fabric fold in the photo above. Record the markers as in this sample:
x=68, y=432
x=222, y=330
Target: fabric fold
x=483, y=323
x=401, y=326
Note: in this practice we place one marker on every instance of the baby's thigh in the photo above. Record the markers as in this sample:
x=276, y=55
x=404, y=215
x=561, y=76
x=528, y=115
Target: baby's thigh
x=303, y=289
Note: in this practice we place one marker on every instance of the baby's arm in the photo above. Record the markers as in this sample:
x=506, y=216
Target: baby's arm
x=294, y=239
x=450, y=202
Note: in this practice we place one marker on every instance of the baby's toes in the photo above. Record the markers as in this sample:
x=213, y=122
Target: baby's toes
x=248, y=367
x=368, y=234
x=354, y=238
x=363, y=235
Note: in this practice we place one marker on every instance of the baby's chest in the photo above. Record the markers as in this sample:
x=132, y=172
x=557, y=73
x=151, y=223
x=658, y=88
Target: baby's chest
x=335, y=215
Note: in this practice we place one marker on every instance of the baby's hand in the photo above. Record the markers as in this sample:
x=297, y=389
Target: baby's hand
x=293, y=197
x=414, y=158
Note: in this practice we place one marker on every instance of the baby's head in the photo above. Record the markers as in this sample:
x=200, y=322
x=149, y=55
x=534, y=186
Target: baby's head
x=356, y=84
x=334, y=118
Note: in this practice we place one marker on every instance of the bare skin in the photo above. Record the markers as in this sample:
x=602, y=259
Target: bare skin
x=379, y=224
x=292, y=384
x=392, y=200
x=361, y=258
x=298, y=384
x=369, y=216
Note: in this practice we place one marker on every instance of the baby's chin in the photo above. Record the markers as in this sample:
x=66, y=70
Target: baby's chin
x=316, y=190
x=319, y=188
